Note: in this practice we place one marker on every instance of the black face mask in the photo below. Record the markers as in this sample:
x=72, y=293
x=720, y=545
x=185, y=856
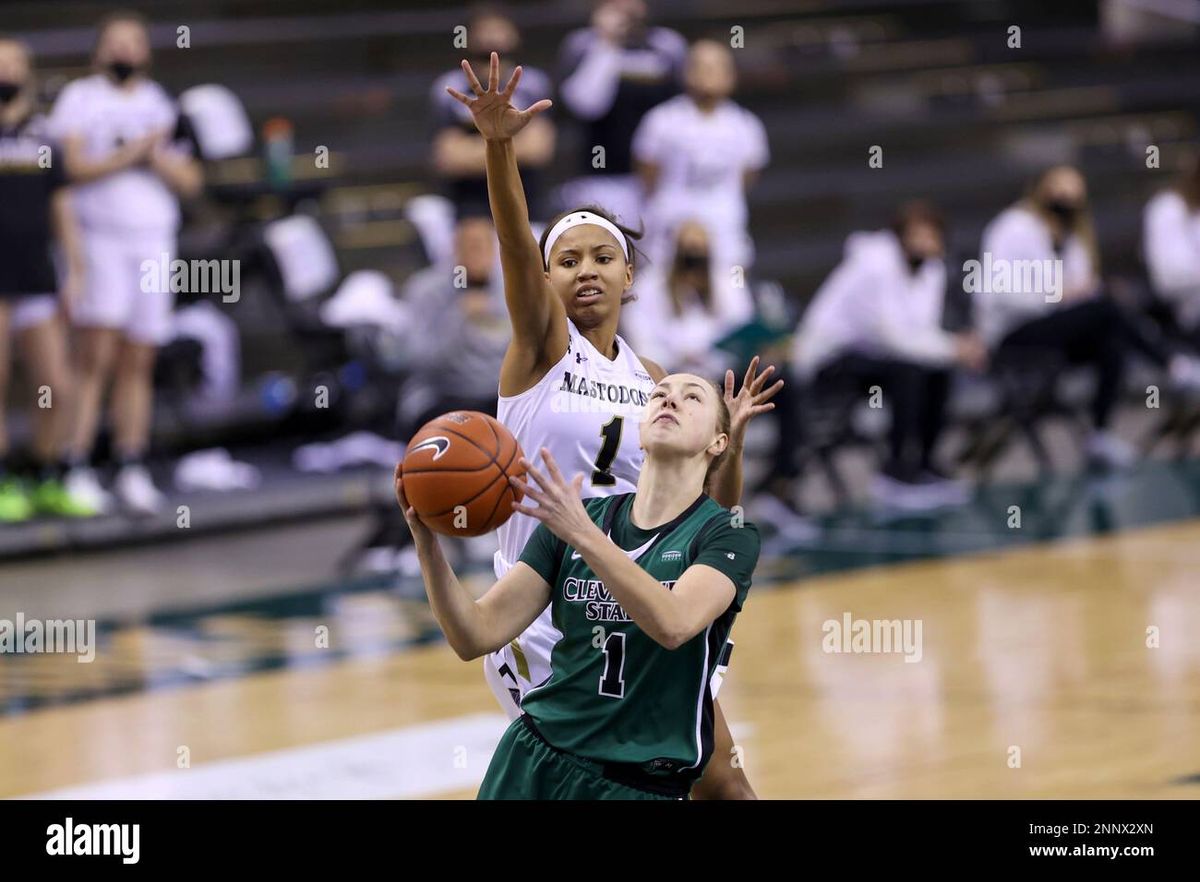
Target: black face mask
x=122, y=70
x=8, y=91
x=914, y=262
x=692, y=260
x=1063, y=210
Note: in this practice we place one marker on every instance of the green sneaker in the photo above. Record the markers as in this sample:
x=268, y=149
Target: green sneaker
x=14, y=504
x=52, y=497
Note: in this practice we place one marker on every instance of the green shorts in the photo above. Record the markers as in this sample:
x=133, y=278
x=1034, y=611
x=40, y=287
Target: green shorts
x=526, y=767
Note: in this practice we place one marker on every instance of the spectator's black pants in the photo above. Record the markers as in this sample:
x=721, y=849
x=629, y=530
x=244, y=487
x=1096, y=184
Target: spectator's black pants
x=1097, y=332
x=916, y=395
x=787, y=414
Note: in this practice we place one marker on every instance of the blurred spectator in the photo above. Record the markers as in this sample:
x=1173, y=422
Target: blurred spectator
x=458, y=148
x=459, y=333
x=697, y=154
x=683, y=312
x=610, y=75
x=876, y=321
x=35, y=207
x=117, y=127
x=1067, y=313
x=1171, y=243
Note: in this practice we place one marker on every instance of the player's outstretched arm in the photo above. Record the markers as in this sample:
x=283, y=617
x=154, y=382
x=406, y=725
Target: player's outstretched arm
x=536, y=314
x=670, y=618
x=473, y=627
x=753, y=398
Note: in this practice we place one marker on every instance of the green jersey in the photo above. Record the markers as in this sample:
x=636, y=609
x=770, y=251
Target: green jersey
x=614, y=694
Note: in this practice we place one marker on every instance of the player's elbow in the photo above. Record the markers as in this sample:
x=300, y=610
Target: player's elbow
x=672, y=635
x=467, y=650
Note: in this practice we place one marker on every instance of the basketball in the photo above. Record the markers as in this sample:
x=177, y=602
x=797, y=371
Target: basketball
x=456, y=472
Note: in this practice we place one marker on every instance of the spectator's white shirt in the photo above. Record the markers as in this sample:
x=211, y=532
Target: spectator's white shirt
x=685, y=342
x=1171, y=242
x=1018, y=234
x=872, y=305
x=701, y=158
x=105, y=117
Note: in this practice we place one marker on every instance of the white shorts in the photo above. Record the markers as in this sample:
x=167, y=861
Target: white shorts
x=31, y=310
x=503, y=670
x=124, y=287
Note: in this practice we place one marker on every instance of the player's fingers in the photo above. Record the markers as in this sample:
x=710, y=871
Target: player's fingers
x=762, y=408
x=494, y=73
x=552, y=466
x=512, y=82
x=531, y=472
x=769, y=393
x=526, y=510
x=728, y=384
x=577, y=484
x=750, y=371
x=471, y=78
x=537, y=107
x=761, y=379
x=528, y=489
x=459, y=96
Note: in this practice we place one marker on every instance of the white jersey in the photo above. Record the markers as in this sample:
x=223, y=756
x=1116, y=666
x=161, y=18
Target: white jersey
x=105, y=116
x=586, y=412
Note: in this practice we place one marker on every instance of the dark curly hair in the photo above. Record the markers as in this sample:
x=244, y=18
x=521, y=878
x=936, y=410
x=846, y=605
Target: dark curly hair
x=631, y=236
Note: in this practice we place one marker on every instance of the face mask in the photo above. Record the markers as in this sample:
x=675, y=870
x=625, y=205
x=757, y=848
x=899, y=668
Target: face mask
x=8, y=91
x=693, y=260
x=914, y=262
x=1063, y=210
x=122, y=70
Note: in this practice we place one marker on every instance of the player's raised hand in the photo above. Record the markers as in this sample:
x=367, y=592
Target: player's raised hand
x=495, y=116
x=751, y=400
x=559, y=503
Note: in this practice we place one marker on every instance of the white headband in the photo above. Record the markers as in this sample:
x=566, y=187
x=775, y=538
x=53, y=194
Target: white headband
x=577, y=218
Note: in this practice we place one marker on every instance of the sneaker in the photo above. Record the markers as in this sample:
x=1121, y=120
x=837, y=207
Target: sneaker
x=784, y=518
x=52, y=497
x=83, y=485
x=1105, y=451
x=910, y=493
x=137, y=492
x=941, y=485
x=14, y=503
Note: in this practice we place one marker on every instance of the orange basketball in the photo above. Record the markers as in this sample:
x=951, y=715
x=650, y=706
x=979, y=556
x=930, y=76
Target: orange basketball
x=456, y=472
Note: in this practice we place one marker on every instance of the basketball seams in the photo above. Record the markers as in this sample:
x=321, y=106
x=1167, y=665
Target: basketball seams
x=490, y=454
x=466, y=502
x=502, y=475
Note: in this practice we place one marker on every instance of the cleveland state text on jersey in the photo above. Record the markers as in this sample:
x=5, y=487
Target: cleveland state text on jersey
x=600, y=605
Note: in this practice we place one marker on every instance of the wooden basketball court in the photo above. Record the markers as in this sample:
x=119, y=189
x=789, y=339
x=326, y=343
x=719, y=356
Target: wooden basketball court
x=1034, y=679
